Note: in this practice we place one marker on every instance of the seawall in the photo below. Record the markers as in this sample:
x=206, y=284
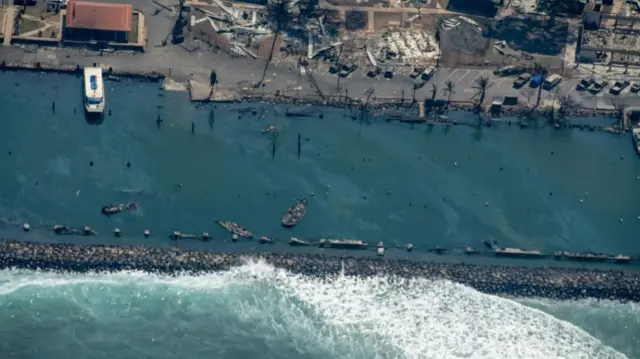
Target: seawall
x=554, y=283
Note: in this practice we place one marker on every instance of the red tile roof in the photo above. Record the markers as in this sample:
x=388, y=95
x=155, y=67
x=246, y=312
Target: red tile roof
x=99, y=16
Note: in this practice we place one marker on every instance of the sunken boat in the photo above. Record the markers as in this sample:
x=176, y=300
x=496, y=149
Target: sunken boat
x=234, y=228
x=117, y=208
x=295, y=213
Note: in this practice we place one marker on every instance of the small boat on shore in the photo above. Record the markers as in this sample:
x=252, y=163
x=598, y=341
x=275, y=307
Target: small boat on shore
x=117, y=208
x=293, y=241
x=269, y=128
x=235, y=228
x=295, y=213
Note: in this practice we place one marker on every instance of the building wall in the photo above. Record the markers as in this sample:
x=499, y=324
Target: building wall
x=71, y=34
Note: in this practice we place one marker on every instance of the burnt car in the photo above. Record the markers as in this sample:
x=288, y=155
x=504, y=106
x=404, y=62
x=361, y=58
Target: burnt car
x=521, y=80
x=585, y=83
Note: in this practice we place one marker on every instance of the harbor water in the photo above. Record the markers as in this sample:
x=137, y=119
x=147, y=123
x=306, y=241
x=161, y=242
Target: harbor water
x=450, y=186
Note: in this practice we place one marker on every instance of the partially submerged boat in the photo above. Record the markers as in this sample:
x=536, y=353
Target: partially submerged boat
x=117, y=208
x=68, y=230
x=235, y=229
x=343, y=243
x=298, y=242
x=265, y=240
x=295, y=213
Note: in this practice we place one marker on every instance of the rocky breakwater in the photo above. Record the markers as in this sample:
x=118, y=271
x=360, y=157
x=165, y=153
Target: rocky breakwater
x=555, y=283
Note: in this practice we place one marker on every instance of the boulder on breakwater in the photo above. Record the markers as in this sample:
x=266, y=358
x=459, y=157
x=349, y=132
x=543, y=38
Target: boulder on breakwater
x=555, y=283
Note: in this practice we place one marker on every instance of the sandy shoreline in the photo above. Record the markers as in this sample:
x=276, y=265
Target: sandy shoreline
x=547, y=282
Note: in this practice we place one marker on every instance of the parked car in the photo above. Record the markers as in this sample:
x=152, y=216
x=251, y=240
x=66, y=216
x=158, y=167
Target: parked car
x=509, y=71
x=585, y=83
x=598, y=86
x=551, y=81
x=618, y=86
x=428, y=73
x=536, y=81
x=521, y=80
x=388, y=72
x=635, y=87
x=417, y=71
x=375, y=72
x=347, y=69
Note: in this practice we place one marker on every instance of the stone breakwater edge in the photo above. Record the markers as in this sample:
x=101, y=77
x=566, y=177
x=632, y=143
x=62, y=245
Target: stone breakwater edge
x=548, y=282
x=381, y=103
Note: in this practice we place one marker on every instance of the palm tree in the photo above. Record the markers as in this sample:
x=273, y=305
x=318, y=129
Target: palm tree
x=543, y=71
x=279, y=17
x=213, y=80
x=481, y=85
x=449, y=91
x=434, y=92
x=439, y=23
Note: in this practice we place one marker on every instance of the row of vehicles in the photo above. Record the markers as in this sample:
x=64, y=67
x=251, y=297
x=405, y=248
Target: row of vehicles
x=595, y=86
x=524, y=77
x=421, y=73
x=537, y=80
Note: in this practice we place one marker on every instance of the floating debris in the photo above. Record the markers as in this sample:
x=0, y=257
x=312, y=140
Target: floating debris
x=235, y=229
x=295, y=213
x=117, y=208
x=269, y=128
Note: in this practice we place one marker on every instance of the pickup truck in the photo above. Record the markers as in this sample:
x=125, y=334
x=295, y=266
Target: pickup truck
x=618, y=87
x=585, y=83
x=521, y=80
x=598, y=86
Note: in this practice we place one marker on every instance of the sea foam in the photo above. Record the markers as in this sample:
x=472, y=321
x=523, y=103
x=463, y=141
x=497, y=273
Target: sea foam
x=339, y=317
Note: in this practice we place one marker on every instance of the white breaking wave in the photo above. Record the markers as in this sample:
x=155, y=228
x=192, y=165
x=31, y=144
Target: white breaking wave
x=405, y=319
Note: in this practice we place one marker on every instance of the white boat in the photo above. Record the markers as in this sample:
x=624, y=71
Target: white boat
x=636, y=138
x=94, y=100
